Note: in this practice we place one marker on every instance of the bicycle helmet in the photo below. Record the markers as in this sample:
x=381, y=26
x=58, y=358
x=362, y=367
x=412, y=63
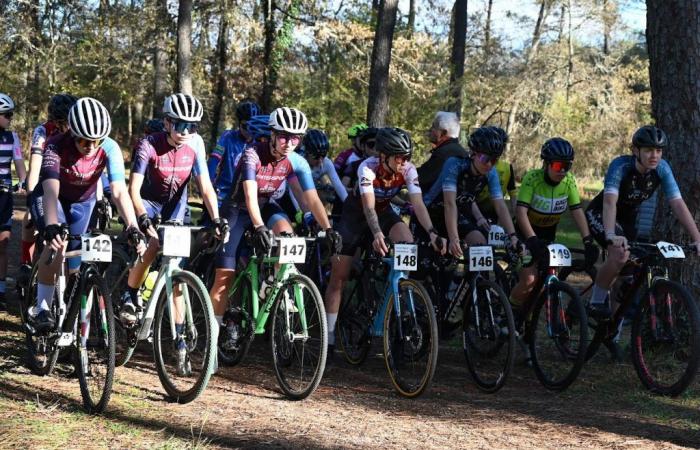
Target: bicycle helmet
x=60, y=105
x=394, y=141
x=315, y=143
x=486, y=140
x=367, y=134
x=356, y=130
x=6, y=103
x=89, y=119
x=259, y=126
x=183, y=107
x=288, y=120
x=557, y=149
x=501, y=133
x=154, y=126
x=247, y=109
x=650, y=136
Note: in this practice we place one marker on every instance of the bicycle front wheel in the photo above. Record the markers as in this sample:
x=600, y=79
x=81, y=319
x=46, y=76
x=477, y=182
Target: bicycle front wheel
x=184, y=338
x=42, y=350
x=299, y=337
x=666, y=339
x=410, y=339
x=488, y=335
x=95, y=349
x=354, y=322
x=558, y=336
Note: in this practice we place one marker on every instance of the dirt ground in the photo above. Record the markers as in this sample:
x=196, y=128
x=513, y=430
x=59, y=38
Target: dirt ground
x=355, y=407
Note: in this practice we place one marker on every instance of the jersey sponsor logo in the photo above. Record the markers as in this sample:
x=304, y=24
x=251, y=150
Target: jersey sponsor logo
x=549, y=205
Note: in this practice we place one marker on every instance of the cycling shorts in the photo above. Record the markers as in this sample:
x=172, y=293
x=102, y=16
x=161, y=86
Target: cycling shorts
x=6, y=206
x=353, y=225
x=172, y=211
x=595, y=223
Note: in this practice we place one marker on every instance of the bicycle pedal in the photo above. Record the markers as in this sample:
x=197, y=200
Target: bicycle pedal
x=65, y=339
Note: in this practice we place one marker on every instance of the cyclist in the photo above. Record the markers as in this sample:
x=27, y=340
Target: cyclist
x=162, y=166
x=261, y=171
x=630, y=180
x=367, y=211
x=10, y=150
x=544, y=196
x=444, y=137
x=57, y=123
x=153, y=126
x=71, y=168
x=451, y=199
x=345, y=158
x=506, y=177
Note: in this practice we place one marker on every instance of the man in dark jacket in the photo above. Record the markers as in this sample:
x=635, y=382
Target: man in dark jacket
x=443, y=134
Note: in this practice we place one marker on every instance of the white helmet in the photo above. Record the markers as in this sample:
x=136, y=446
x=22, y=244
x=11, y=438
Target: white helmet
x=89, y=119
x=183, y=107
x=6, y=103
x=289, y=120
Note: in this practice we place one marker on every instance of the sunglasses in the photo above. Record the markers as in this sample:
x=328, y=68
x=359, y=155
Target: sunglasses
x=401, y=158
x=370, y=144
x=7, y=115
x=558, y=166
x=486, y=159
x=291, y=138
x=180, y=126
x=82, y=142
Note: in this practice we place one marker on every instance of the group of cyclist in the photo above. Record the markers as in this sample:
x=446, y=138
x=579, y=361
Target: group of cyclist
x=265, y=176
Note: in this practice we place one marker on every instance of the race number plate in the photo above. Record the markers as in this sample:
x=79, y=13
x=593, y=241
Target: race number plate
x=96, y=248
x=497, y=236
x=406, y=257
x=292, y=250
x=559, y=256
x=670, y=250
x=176, y=241
x=480, y=258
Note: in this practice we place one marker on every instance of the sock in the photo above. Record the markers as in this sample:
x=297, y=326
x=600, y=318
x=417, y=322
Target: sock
x=515, y=304
x=133, y=295
x=3, y=286
x=331, y=318
x=44, y=296
x=26, y=257
x=598, y=295
x=219, y=320
x=180, y=330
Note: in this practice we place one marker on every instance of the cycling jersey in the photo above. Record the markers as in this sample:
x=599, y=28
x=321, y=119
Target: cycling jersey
x=327, y=168
x=344, y=160
x=223, y=160
x=41, y=134
x=507, y=182
x=456, y=176
x=10, y=150
x=546, y=202
x=374, y=177
x=79, y=174
x=167, y=169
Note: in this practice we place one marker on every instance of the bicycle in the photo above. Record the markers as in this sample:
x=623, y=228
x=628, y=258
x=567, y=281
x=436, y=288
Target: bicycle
x=665, y=334
x=177, y=318
x=299, y=338
x=553, y=324
x=85, y=320
x=397, y=309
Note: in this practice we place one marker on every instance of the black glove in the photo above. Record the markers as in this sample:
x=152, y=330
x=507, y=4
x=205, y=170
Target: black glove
x=514, y=251
x=222, y=227
x=134, y=236
x=102, y=206
x=590, y=251
x=51, y=231
x=334, y=240
x=144, y=222
x=537, y=247
x=262, y=241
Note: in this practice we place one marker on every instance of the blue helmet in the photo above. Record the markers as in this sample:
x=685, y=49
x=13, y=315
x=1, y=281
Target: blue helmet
x=315, y=143
x=247, y=109
x=259, y=126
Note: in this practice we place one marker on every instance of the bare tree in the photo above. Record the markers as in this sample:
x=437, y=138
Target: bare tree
x=222, y=59
x=411, y=17
x=160, y=56
x=184, y=47
x=378, y=101
x=459, y=42
x=487, y=27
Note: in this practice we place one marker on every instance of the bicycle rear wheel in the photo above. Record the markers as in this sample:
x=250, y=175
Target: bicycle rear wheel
x=666, y=339
x=410, y=339
x=95, y=349
x=298, y=353
x=185, y=358
x=558, y=336
x=354, y=322
x=488, y=335
x=116, y=274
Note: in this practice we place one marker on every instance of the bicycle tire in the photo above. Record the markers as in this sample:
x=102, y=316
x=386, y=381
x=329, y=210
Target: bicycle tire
x=200, y=341
x=575, y=318
x=485, y=319
x=641, y=352
x=353, y=334
x=285, y=349
x=116, y=275
x=101, y=321
x=397, y=353
x=40, y=363
x=247, y=327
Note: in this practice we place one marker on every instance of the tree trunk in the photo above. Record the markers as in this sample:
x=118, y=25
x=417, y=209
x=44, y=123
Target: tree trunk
x=673, y=42
x=378, y=102
x=487, y=28
x=161, y=87
x=570, y=42
x=411, y=17
x=222, y=58
x=269, y=76
x=184, y=47
x=459, y=42
x=609, y=19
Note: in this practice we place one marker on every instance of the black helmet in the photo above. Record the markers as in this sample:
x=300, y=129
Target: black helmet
x=315, y=143
x=59, y=105
x=501, y=132
x=557, y=149
x=369, y=133
x=247, y=109
x=650, y=136
x=486, y=140
x=153, y=126
x=394, y=141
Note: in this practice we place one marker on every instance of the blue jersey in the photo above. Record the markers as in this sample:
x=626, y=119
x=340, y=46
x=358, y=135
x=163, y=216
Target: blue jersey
x=223, y=160
x=456, y=177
